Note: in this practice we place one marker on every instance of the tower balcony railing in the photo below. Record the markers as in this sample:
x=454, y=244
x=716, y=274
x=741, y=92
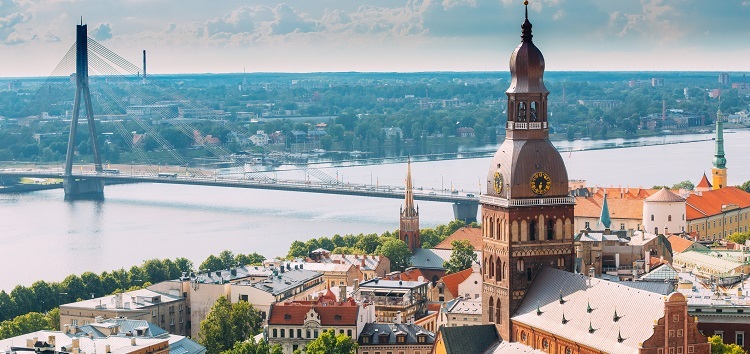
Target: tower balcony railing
x=502, y=202
x=526, y=125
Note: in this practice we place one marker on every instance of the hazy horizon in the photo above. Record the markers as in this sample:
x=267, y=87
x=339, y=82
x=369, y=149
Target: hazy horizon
x=300, y=36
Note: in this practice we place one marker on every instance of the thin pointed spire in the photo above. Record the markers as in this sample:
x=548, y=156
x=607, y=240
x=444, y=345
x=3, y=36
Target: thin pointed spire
x=409, y=209
x=562, y=301
x=538, y=310
x=564, y=320
x=719, y=160
x=526, y=26
x=616, y=317
x=604, y=218
x=588, y=306
x=591, y=327
x=620, y=339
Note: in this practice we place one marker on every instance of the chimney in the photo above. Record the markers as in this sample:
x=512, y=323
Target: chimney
x=132, y=341
x=107, y=349
x=51, y=340
x=356, y=284
x=362, y=263
x=30, y=342
x=342, y=293
x=647, y=263
x=398, y=319
x=75, y=343
x=592, y=272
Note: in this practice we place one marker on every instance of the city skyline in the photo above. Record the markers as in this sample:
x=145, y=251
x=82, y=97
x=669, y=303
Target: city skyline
x=383, y=35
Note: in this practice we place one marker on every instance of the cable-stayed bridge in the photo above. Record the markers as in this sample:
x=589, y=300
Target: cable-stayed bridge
x=125, y=113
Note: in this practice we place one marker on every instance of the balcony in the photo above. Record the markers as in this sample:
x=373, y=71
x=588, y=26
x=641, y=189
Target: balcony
x=502, y=202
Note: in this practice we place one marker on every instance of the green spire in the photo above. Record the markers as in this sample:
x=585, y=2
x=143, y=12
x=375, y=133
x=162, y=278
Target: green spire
x=620, y=339
x=591, y=328
x=564, y=320
x=604, y=217
x=616, y=317
x=588, y=307
x=719, y=160
x=538, y=310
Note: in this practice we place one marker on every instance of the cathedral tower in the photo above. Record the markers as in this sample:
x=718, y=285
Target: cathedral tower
x=527, y=214
x=719, y=172
x=408, y=230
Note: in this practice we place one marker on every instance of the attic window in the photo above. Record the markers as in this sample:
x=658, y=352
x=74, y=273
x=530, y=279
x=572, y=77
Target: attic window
x=401, y=338
x=287, y=316
x=337, y=317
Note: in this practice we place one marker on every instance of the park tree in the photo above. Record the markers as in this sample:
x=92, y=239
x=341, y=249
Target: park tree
x=330, y=343
x=739, y=237
x=227, y=324
x=397, y=252
x=462, y=257
x=184, y=264
x=745, y=186
x=686, y=185
x=227, y=259
x=298, y=249
x=30, y=322
x=368, y=243
x=249, y=259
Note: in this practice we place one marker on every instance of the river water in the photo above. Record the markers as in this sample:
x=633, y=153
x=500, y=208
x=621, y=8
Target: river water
x=44, y=237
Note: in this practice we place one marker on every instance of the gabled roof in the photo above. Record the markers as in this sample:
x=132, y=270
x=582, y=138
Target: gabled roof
x=451, y=281
x=664, y=195
x=661, y=273
x=636, y=310
x=331, y=313
x=469, y=339
x=410, y=274
x=619, y=208
x=709, y=203
x=392, y=329
x=425, y=258
x=680, y=244
x=473, y=234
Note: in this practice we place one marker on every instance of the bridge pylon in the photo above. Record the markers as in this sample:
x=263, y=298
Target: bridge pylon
x=77, y=187
x=466, y=211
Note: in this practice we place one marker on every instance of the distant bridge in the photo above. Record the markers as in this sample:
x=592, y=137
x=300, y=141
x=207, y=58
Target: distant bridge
x=465, y=205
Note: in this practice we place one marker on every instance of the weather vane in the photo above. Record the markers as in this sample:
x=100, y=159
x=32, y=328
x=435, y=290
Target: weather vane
x=526, y=2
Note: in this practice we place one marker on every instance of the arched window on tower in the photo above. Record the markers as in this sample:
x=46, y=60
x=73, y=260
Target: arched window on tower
x=550, y=229
x=652, y=217
x=533, y=112
x=521, y=112
x=406, y=239
x=492, y=310
x=499, y=270
x=656, y=231
x=532, y=230
x=520, y=265
x=560, y=262
x=492, y=267
x=498, y=315
x=484, y=269
x=669, y=217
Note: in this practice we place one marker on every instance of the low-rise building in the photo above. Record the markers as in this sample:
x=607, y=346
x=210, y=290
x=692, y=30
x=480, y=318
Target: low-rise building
x=293, y=324
x=725, y=266
x=715, y=214
x=461, y=312
x=466, y=283
x=296, y=284
x=334, y=274
x=616, y=254
x=395, y=298
x=164, y=310
x=397, y=337
x=625, y=207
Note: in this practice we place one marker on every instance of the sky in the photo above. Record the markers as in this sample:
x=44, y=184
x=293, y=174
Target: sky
x=199, y=36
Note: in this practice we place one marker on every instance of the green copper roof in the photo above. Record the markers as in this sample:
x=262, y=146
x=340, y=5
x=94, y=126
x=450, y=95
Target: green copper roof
x=719, y=160
x=604, y=218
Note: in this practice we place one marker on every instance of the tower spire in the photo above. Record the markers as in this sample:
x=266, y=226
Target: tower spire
x=604, y=218
x=719, y=172
x=526, y=26
x=409, y=228
x=409, y=195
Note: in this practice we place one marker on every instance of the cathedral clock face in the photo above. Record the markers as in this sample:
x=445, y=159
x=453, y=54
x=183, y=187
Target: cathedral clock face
x=540, y=183
x=497, y=183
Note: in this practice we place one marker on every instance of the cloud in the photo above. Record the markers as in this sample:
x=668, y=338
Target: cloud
x=102, y=31
x=51, y=37
x=9, y=28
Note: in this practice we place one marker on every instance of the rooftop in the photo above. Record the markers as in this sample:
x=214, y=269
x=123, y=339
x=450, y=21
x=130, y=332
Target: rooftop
x=460, y=305
x=329, y=312
x=590, y=303
x=714, y=202
x=625, y=207
x=392, y=329
x=469, y=339
x=664, y=195
x=283, y=282
x=129, y=300
x=713, y=261
x=472, y=234
x=229, y=275
x=426, y=258
x=390, y=284
x=451, y=281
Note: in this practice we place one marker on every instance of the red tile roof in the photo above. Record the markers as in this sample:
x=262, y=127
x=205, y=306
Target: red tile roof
x=331, y=313
x=621, y=206
x=679, y=244
x=709, y=203
x=473, y=234
x=704, y=183
x=451, y=281
x=411, y=274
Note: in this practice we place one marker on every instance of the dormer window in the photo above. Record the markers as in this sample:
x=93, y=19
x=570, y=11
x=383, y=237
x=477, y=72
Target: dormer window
x=365, y=339
x=421, y=338
x=383, y=338
x=287, y=316
x=337, y=318
x=401, y=338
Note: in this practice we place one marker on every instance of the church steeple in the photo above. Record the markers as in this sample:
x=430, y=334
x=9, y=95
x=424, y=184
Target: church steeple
x=409, y=225
x=719, y=172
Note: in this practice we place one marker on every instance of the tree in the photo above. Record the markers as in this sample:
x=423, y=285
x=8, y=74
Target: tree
x=397, y=252
x=184, y=264
x=330, y=343
x=462, y=257
x=298, y=249
x=251, y=347
x=250, y=259
x=227, y=258
x=211, y=263
x=745, y=186
x=686, y=185
x=227, y=324
x=30, y=322
x=739, y=237
x=718, y=346
x=368, y=243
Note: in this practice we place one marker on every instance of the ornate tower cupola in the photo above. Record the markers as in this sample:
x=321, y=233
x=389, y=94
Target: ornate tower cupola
x=409, y=226
x=719, y=172
x=527, y=214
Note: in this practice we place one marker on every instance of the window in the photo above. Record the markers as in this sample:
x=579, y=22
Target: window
x=720, y=334
x=669, y=217
x=153, y=313
x=691, y=349
x=299, y=333
x=739, y=338
x=528, y=274
x=171, y=321
x=401, y=339
x=275, y=333
x=622, y=226
x=676, y=318
x=679, y=350
x=316, y=333
x=671, y=333
x=180, y=319
x=652, y=217
x=283, y=333
x=243, y=297
x=671, y=350
x=586, y=225
x=568, y=350
x=349, y=332
x=74, y=322
x=308, y=334
x=679, y=333
x=291, y=332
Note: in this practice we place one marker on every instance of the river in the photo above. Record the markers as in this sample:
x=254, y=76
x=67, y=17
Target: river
x=44, y=237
